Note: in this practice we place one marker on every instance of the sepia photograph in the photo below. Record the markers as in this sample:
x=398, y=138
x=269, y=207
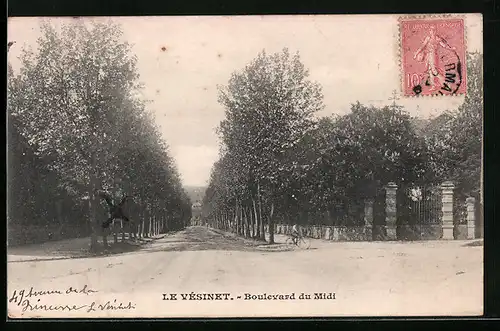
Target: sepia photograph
x=245, y=166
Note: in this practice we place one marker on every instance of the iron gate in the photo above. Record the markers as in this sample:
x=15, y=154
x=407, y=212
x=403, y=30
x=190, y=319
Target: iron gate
x=419, y=213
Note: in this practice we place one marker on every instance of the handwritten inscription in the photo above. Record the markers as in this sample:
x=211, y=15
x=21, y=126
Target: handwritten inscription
x=31, y=300
x=18, y=297
x=109, y=305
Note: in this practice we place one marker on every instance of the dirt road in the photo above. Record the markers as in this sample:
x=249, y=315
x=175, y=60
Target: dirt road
x=390, y=278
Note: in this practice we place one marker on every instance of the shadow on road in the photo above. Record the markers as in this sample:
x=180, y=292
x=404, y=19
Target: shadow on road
x=198, y=238
x=73, y=248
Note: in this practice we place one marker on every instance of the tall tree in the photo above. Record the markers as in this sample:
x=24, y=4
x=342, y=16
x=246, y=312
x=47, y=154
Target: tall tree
x=74, y=81
x=269, y=108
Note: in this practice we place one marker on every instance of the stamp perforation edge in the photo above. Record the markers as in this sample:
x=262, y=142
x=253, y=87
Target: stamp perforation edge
x=400, y=45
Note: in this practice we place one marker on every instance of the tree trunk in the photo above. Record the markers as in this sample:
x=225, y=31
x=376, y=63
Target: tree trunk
x=132, y=229
x=155, y=222
x=141, y=224
x=262, y=231
x=247, y=225
x=157, y=232
x=235, y=222
x=104, y=233
x=156, y=225
x=152, y=226
x=123, y=230
x=147, y=222
x=115, y=234
x=236, y=218
x=93, y=223
x=93, y=201
x=245, y=220
x=242, y=224
x=271, y=225
x=256, y=221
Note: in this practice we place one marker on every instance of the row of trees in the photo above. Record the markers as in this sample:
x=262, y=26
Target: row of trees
x=279, y=161
x=78, y=124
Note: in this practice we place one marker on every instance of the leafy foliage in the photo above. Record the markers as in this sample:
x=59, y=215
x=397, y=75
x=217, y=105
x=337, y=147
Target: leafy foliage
x=75, y=106
x=454, y=139
x=279, y=160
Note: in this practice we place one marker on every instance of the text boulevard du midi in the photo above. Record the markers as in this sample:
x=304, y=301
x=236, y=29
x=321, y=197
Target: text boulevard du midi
x=247, y=296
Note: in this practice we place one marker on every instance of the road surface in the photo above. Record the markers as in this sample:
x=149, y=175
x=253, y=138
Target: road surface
x=367, y=278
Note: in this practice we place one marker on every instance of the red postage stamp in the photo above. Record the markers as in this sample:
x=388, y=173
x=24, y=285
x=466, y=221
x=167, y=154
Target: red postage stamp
x=433, y=56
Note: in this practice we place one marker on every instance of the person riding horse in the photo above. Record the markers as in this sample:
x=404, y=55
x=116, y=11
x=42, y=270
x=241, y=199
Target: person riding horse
x=115, y=211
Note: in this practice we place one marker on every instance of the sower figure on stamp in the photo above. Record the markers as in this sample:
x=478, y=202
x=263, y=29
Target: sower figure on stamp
x=115, y=211
x=428, y=53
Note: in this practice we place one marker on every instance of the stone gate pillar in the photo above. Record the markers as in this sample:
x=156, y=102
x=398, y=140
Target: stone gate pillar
x=369, y=219
x=390, y=210
x=471, y=217
x=447, y=208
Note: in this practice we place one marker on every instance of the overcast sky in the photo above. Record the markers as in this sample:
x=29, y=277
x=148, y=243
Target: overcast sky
x=352, y=57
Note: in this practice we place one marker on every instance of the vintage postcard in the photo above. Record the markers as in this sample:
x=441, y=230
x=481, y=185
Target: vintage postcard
x=245, y=166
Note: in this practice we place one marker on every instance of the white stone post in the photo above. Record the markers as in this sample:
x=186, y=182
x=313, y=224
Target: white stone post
x=447, y=208
x=471, y=217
